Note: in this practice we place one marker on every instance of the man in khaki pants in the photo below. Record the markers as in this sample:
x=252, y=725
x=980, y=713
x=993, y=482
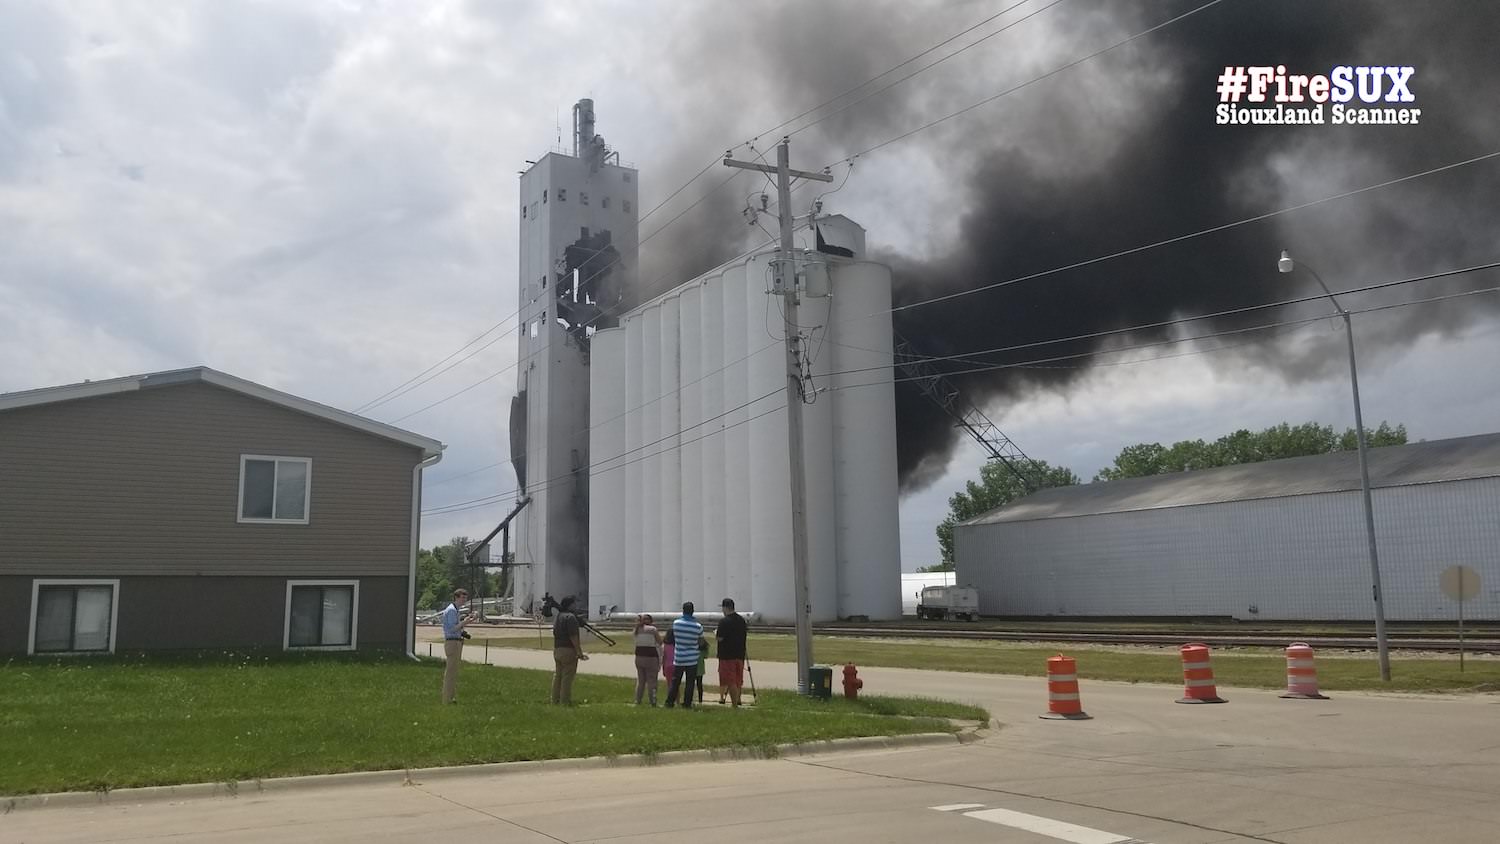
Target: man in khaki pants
x=566, y=651
x=453, y=642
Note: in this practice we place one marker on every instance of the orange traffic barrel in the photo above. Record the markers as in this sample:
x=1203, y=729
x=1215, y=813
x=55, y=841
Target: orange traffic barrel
x=1063, y=700
x=1198, y=676
x=1301, y=673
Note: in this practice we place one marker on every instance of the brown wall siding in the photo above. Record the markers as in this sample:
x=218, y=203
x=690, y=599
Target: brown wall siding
x=148, y=483
x=192, y=613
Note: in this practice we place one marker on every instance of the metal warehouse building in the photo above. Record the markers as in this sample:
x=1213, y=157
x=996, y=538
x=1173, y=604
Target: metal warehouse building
x=1283, y=539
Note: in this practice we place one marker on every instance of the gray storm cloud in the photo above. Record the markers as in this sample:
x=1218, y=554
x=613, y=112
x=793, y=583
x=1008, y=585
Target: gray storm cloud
x=1118, y=152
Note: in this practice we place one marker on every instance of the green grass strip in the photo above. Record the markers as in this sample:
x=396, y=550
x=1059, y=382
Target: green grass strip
x=68, y=725
x=1245, y=667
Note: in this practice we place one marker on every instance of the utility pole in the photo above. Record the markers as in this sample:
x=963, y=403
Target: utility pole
x=786, y=285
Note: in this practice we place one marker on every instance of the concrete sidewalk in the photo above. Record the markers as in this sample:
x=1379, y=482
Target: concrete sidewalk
x=1359, y=768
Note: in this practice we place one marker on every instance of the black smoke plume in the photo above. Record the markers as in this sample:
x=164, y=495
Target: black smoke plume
x=1124, y=151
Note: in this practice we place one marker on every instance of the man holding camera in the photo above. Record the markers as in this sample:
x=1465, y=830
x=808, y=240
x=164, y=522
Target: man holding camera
x=454, y=622
x=567, y=650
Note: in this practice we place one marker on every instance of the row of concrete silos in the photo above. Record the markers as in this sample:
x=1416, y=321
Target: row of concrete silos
x=689, y=476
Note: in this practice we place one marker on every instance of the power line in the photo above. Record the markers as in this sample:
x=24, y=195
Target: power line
x=1177, y=239
x=925, y=68
x=950, y=39
x=465, y=474
x=381, y=399
x=714, y=190
x=1225, y=333
x=965, y=110
x=602, y=467
x=604, y=464
x=725, y=182
x=1094, y=335
x=398, y=392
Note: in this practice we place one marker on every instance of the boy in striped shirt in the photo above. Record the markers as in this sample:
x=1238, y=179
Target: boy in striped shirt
x=686, y=631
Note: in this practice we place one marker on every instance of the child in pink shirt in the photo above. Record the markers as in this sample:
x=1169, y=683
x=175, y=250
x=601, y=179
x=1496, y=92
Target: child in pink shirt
x=668, y=646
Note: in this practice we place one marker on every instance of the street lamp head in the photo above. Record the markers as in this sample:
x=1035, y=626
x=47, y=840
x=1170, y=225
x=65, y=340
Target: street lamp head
x=1285, y=263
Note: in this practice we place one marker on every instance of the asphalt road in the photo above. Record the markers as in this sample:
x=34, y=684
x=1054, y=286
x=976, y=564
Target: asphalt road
x=1358, y=768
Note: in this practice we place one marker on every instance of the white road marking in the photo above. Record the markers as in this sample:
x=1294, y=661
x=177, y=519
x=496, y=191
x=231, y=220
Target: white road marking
x=1071, y=833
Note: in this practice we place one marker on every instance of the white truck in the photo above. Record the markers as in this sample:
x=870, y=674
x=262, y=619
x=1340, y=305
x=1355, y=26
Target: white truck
x=949, y=602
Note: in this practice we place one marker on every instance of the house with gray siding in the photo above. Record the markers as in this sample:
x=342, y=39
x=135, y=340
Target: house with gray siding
x=191, y=509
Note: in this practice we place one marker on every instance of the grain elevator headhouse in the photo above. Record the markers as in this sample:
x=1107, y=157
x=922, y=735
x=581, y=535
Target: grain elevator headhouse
x=577, y=253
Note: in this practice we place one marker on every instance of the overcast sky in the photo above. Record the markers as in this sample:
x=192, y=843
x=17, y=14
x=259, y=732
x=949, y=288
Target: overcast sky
x=321, y=197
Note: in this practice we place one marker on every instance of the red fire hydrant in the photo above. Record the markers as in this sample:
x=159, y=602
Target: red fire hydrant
x=852, y=683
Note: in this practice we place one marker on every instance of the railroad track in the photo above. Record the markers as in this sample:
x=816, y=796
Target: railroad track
x=1484, y=642
x=1398, y=641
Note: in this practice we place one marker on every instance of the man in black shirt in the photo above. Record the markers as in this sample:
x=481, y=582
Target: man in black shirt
x=731, y=634
x=566, y=651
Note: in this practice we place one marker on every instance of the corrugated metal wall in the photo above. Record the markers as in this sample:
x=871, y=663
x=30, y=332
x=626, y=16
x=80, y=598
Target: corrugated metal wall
x=1302, y=557
x=699, y=436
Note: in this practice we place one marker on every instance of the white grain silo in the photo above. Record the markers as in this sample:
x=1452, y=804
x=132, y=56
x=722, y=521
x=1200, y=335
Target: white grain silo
x=607, y=490
x=704, y=410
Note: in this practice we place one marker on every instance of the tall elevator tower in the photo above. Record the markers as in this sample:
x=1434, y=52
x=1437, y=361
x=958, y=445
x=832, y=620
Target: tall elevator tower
x=579, y=236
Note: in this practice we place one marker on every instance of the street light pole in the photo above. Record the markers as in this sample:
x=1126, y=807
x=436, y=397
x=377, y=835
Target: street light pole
x=1382, y=644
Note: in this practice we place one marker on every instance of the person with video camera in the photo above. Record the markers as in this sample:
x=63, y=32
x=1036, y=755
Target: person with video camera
x=567, y=650
x=454, y=622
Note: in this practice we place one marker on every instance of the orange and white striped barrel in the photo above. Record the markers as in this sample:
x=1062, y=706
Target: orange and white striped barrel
x=1301, y=673
x=1198, y=676
x=1063, y=700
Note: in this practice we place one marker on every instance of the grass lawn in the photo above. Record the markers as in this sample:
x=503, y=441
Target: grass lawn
x=68, y=725
x=1248, y=667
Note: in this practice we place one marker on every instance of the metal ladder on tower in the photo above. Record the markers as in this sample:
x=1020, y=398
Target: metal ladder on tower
x=945, y=394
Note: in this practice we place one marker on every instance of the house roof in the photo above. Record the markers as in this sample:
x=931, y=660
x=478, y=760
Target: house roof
x=1403, y=465
x=204, y=375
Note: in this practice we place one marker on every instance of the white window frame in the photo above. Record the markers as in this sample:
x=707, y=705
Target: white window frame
x=286, y=617
x=114, y=611
x=239, y=506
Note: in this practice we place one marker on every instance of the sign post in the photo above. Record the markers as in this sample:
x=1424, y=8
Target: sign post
x=1459, y=583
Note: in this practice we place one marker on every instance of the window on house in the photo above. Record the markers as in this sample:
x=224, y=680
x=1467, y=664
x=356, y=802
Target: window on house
x=523, y=212
x=627, y=178
x=544, y=196
x=73, y=616
x=562, y=194
x=583, y=198
x=534, y=326
x=626, y=204
x=321, y=614
x=604, y=203
x=533, y=210
x=275, y=489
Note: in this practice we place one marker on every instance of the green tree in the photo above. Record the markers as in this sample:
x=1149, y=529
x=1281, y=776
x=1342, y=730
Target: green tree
x=1243, y=446
x=433, y=585
x=946, y=565
x=997, y=486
